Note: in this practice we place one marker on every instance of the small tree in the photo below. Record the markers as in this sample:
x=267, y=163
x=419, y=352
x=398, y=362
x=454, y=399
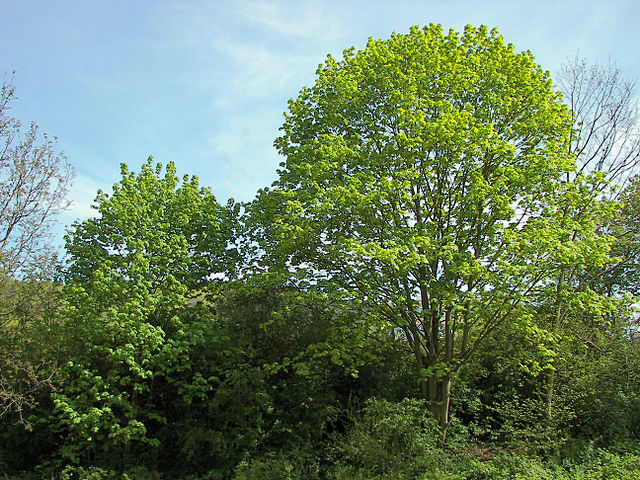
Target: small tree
x=132, y=273
x=424, y=178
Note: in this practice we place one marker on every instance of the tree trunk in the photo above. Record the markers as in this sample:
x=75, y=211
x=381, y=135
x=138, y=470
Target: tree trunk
x=439, y=398
x=549, y=399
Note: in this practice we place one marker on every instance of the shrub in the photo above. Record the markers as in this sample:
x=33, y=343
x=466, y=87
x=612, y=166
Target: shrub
x=391, y=439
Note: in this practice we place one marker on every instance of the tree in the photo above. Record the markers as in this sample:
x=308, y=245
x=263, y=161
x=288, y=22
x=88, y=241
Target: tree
x=424, y=178
x=34, y=181
x=606, y=145
x=607, y=135
x=131, y=278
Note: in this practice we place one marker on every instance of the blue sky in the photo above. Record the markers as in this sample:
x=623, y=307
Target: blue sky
x=204, y=83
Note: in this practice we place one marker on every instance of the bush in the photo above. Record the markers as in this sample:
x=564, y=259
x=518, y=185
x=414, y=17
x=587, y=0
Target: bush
x=606, y=465
x=391, y=440
x=293, y=465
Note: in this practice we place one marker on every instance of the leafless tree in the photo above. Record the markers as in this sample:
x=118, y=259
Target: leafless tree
x=607, y=137
x=34, y=181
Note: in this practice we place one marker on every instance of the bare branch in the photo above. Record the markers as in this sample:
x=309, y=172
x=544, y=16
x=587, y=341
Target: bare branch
x=34, y=182
x=606, y=114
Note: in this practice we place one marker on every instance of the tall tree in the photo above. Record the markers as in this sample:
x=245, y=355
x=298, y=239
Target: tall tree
x=34, y=181
x=606, y=145
x=424, y=176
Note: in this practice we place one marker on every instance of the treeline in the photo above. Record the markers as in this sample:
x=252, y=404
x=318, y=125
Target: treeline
x=440, y=285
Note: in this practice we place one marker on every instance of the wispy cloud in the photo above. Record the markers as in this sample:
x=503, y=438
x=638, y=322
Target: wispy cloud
x=82, y=194
x=247, y=49
x=257, y=71
x=309, y=19
x=245, y=59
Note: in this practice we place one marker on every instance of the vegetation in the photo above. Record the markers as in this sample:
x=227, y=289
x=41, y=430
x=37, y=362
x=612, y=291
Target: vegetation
x=440, y=285
x=34, y=179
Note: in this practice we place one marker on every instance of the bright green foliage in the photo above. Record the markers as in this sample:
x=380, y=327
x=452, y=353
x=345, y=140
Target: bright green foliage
x=424, y=177
x=131, y=273
x=153, y=229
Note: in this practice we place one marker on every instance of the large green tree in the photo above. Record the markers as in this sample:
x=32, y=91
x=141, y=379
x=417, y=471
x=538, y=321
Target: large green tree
x=424, y=177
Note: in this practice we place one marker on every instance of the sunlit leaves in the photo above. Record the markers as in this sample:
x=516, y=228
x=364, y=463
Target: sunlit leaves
x=427, y=174
x=132, y=269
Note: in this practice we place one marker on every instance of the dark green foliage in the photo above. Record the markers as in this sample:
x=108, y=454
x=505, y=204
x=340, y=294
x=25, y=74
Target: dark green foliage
x=214, y=400
x=499, y=398
x=277, y=325
x=392, y=438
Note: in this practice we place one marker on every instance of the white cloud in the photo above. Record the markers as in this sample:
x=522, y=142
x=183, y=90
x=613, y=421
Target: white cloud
x=258, y=71
x=307, y=20
x=82, y=194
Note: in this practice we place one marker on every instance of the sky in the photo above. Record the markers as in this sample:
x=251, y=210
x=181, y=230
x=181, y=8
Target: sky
x=204, y=84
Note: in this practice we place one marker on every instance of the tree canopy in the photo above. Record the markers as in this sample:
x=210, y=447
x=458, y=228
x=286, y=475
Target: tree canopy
x=152, y=227
x=425, y=176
